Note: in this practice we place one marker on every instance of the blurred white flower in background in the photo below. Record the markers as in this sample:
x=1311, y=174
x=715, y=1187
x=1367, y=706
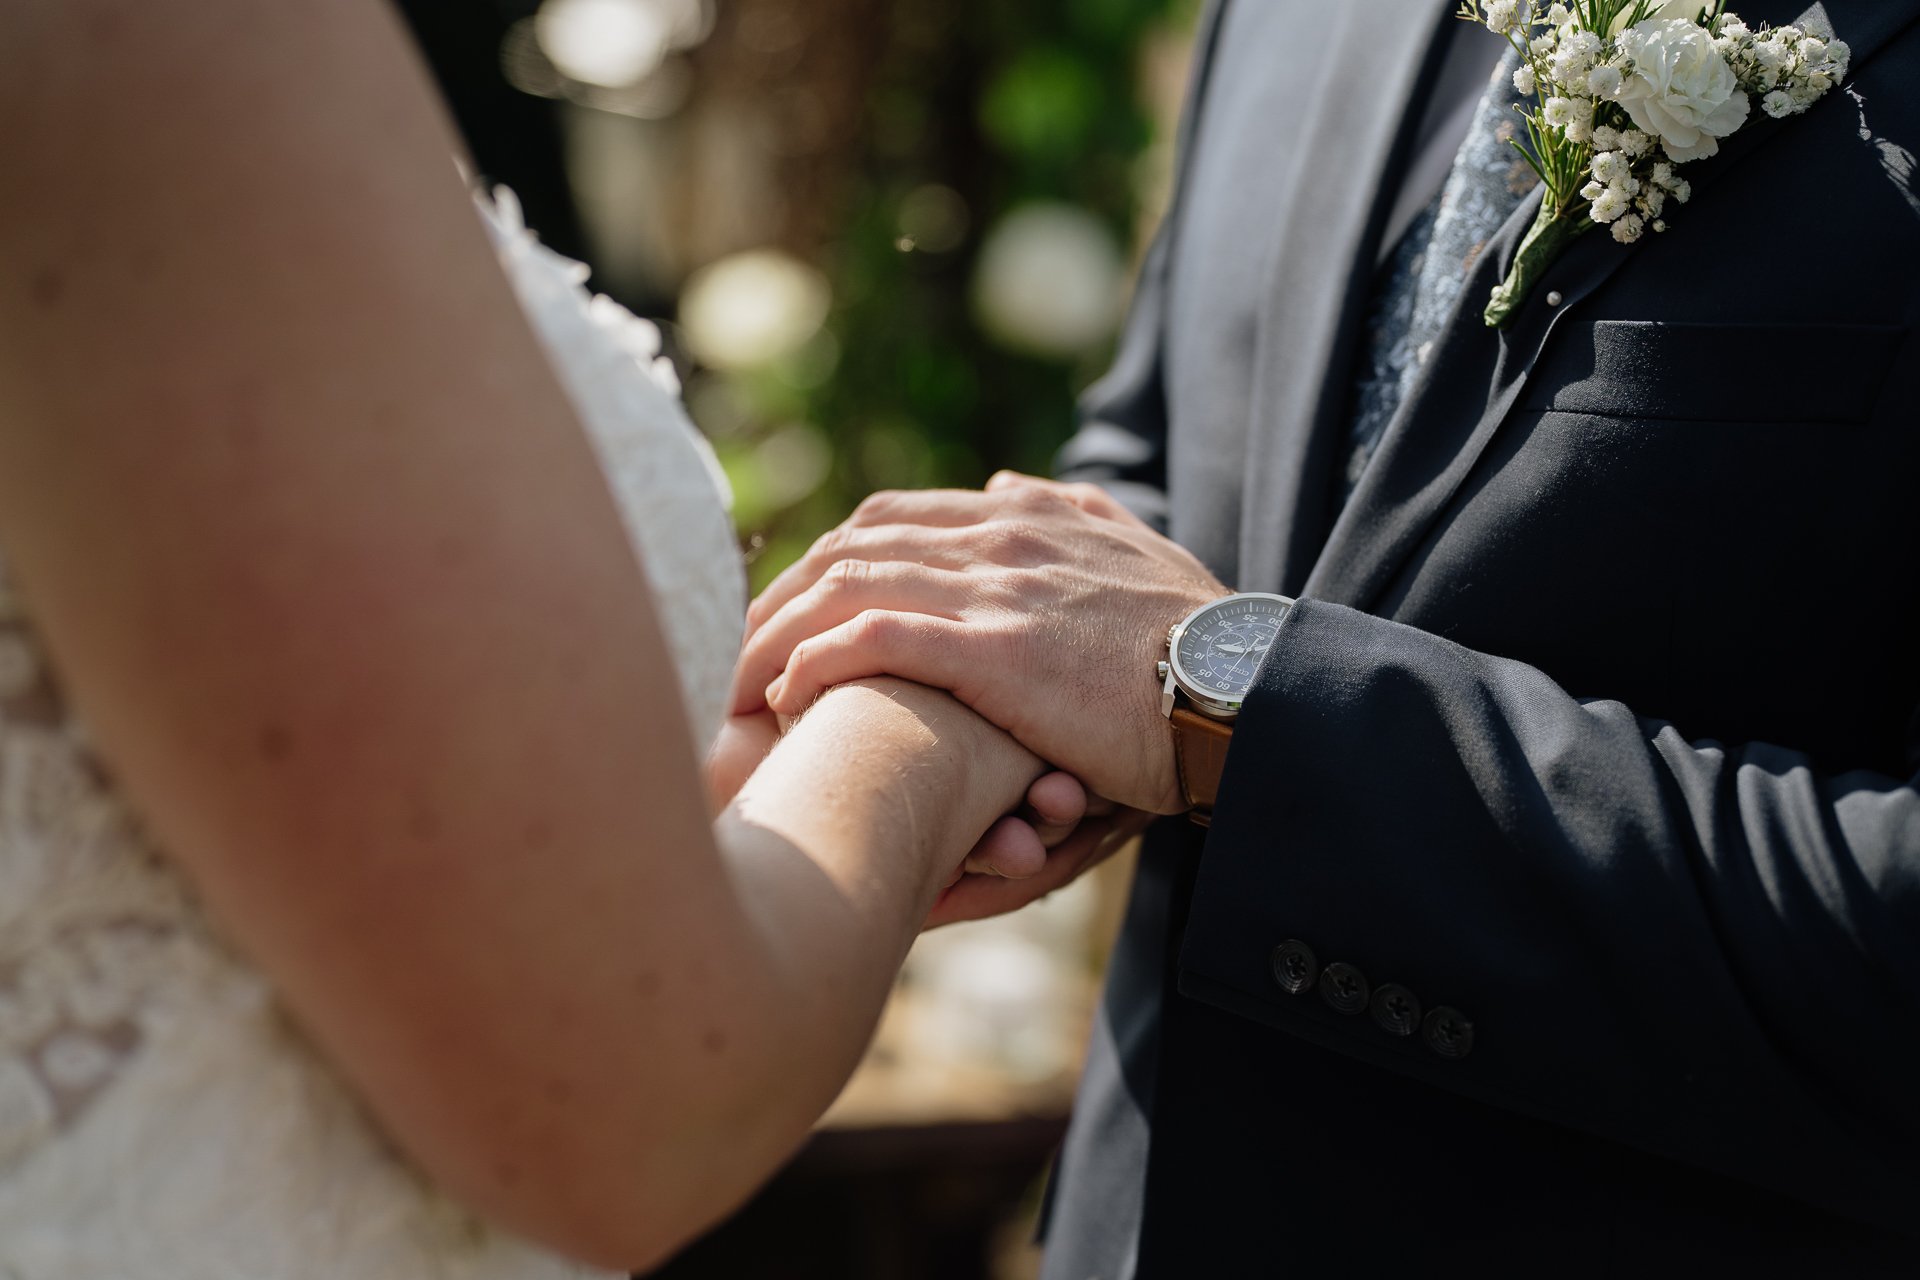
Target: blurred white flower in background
x=992, y=1000
x=749, y=309
x=790, y=464
x=997, y=994
x=615, y=43
x=1050, y=280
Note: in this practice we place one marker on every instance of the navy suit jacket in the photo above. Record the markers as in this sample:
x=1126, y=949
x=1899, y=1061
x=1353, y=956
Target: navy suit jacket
x=1598, y=723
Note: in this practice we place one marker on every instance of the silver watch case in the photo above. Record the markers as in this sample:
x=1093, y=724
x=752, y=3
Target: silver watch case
x=1176, y=678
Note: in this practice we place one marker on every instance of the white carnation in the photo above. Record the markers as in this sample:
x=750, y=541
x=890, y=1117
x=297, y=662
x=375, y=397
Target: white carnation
x=1777, y=104
x=1603, y=81
x=1523, y=77
x=1608, y=205
x=1628, y=229
x=1500, y=14
x=1681, y=88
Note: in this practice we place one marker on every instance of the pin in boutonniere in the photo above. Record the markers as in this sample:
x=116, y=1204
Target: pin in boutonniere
x=1627, y=91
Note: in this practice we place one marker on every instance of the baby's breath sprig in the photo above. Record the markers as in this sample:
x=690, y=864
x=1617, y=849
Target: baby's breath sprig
x=1625, y=91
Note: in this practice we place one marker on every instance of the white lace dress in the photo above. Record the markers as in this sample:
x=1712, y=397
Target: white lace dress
x=159, y=1118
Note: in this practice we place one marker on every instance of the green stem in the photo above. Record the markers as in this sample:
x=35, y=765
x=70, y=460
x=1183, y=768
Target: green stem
x=1545, y=241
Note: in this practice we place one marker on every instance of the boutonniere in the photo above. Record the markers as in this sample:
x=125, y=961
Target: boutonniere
x=1625, y=93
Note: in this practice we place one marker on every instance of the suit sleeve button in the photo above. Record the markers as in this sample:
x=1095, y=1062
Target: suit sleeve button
x=1448, y=1033
x=1396, y=1010
x=1344, y=988
x=1294, y=967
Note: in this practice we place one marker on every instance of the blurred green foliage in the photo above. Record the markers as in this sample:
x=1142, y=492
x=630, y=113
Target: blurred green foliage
x=1003, y=101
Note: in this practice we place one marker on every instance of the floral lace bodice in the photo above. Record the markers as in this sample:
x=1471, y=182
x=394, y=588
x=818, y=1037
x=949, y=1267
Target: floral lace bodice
x=158, y=1115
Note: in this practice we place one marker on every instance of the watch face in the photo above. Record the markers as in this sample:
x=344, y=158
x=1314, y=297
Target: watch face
x=1223, y=646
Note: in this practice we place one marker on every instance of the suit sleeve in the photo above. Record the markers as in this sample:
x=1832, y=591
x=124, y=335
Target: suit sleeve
x=1122, y=441
x=1708, y=951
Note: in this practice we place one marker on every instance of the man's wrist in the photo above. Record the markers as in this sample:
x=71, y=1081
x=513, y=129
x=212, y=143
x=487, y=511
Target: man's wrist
x=1212, y=656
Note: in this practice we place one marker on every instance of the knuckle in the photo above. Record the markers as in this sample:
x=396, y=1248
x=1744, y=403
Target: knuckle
x=874, y=629
x=830, y=547
x=1086, y=495
x=843, y=577
x=1039, y=499
x=874, y=507
x=1019, y=542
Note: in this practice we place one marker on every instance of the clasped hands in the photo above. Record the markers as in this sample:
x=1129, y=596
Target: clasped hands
x=1041, y=606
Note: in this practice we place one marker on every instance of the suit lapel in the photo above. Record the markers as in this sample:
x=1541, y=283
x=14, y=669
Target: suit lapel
x=1477, y=373
x=1322, y=256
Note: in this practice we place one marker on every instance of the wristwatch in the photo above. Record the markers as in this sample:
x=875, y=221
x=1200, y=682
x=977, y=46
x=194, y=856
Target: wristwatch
x=1212, y=655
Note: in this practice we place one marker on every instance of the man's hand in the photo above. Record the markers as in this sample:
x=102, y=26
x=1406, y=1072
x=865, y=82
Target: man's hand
x=1103, y=832
x=1042, y=606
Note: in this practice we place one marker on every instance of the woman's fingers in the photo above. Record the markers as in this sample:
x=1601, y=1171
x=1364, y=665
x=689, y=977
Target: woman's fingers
x=913, y=646
x=847, y=589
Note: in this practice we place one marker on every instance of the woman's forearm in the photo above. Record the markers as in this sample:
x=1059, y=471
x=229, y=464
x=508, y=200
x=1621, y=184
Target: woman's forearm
x=329, y=569
x=880, y=791
x=837, y=848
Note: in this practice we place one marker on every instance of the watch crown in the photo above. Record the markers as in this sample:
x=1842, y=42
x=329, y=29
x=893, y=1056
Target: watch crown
x=1160, y=669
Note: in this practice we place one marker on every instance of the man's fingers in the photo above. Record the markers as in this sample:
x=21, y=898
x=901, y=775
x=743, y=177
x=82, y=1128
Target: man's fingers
x=974, y=897
x=945, y=508
x=933, y=546
x=1090, y=498
x=1055, y=804
x=1011, y=849
x=913, y=646
x=848, y=589
x=742, y=744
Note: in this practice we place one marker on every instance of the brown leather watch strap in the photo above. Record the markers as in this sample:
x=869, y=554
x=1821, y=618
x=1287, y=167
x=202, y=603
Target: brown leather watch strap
x=1200, y=749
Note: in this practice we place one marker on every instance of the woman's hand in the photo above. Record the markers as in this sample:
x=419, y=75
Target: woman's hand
x=1014, y=848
